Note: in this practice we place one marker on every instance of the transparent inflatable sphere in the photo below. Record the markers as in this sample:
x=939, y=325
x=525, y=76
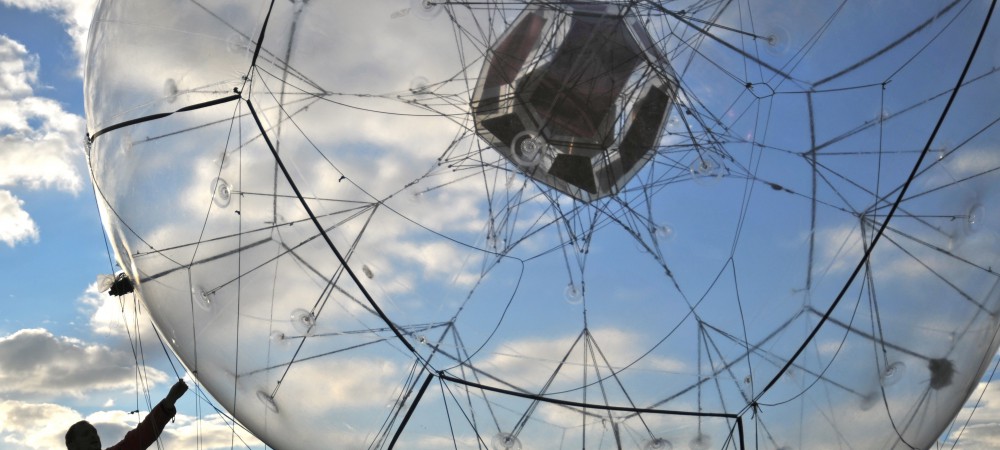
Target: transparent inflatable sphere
x=427, y=9
x=506, y=441
x=700, y=442
x=494, y=242
x=869, y=399
x=202, y=298
x=268, y=401
x=893, y=373
x=419, y=86
x=778, y=41
x=239, y=44
x=658, y=444
x=976, y=216
x=170, y=90
x=527, y=149
x=303, y=320
x=221, y=192
x=571, y=220
x=707, y=169
x=574, y=294
x=664, y=232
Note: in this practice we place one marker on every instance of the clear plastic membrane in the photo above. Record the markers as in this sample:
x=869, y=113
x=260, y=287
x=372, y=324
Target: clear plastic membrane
x=663, y=231
x=303, y=320
x=461, y=210
x=170, y=90
x=506, y=441
x=221, y=192
x=778, y=41
x=574, y=294
x=268, y=401
x=427, y=9
x=657, y=444
x=419, y=85
x=893, y=373
x=707, y=169
x=701, y=442
x=202, y=298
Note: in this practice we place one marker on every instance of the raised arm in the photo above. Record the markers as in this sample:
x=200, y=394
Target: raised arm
x=150, y=428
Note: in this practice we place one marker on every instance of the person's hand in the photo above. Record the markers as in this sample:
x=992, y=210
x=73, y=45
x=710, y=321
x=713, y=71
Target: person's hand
x=176, y=391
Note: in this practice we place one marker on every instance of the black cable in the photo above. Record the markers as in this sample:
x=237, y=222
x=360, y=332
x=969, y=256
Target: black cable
x=162, y=115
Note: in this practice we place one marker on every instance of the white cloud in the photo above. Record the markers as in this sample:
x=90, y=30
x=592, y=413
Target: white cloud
x=34, y=362
x=15, y=223
x=40, y=142
x=18, y=69
x=37, y=162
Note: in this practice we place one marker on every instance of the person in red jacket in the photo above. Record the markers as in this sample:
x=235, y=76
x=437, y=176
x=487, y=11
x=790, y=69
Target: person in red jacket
x=83, y=436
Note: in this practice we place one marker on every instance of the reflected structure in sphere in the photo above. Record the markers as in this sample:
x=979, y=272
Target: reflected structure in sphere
x=575, y=96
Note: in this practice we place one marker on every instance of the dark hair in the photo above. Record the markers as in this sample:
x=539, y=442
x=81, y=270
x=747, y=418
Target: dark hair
x=71, y=432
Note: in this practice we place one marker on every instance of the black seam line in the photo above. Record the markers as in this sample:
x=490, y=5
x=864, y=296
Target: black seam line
x=739, y=425
x=193, y=107
x=892, y=211
x=326, y=237
x=409, y=412
x=260, y=37
x=584, y=405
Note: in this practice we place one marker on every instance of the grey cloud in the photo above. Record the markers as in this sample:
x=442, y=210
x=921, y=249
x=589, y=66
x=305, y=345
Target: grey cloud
x=36, y=362
x=982, y=436
x=982, y=411
x=26, y=425
x=34, y=425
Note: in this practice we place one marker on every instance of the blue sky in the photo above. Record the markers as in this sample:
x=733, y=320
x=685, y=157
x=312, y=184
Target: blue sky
x=63, y=246
x=63, y=350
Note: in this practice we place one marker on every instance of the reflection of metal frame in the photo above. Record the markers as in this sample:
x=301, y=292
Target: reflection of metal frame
x=584, y=406
x=589, y=87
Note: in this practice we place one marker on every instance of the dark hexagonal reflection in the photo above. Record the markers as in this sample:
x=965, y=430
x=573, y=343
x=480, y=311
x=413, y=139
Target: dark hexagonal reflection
x=575, y=95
